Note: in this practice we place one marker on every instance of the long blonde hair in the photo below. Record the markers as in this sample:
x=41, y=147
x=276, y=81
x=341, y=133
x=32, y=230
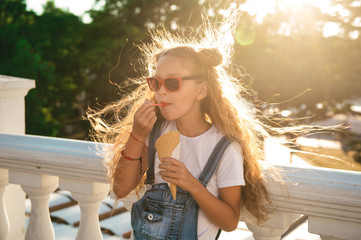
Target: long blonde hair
x=209, y=49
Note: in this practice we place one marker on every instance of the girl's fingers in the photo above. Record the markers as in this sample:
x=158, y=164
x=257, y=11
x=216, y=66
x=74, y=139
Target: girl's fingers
x=176, y=173
x=144, y=115
x=174, y=177
x=144, y=119
x=152, y=122
x=149, y=120
x=170, y=180
x=142, y=107
x=149, y=113
x=147, y=103
x=169, y=160
x=169, y=167
x=145, y=109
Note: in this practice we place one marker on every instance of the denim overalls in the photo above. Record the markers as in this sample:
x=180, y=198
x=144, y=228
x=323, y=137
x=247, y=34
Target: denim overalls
x=157, y=215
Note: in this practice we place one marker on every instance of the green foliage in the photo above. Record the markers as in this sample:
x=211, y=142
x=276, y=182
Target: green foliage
x=44, y=48
x=71, y=61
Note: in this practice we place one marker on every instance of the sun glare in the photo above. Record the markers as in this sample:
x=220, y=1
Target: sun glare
x=260, y=8
x=331, y=29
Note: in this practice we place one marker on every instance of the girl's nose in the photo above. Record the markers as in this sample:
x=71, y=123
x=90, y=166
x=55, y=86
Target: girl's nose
x=162, y=91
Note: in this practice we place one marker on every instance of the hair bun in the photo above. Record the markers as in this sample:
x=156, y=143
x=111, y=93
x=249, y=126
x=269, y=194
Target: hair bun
x=211, y=56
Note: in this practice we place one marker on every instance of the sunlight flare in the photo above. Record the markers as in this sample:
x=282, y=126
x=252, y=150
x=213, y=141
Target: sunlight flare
x=331, y=29
x=260, y=8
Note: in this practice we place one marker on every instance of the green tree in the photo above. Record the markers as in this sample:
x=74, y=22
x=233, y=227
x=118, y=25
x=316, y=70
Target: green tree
x=44, y=48
x=72, y=62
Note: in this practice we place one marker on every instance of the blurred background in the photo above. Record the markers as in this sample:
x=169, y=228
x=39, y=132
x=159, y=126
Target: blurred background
x=303, y=58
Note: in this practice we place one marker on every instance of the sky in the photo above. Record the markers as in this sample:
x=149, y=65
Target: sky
x=77, y=7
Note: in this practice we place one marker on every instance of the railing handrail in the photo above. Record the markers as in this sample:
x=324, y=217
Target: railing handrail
x=313, y=191
x=316, y=191
x=53, y=156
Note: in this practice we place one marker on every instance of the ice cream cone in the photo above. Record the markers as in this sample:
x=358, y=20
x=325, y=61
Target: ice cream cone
x=165, y=145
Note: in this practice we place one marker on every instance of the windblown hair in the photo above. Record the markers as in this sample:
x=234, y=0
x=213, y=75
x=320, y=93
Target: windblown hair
x=207, y=52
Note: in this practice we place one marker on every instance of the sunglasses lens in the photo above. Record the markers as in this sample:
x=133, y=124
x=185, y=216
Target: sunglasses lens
x=153, y=84
x=172, y=84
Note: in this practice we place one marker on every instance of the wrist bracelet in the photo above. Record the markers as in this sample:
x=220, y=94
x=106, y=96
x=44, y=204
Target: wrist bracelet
x=132, y=159
x=130, y=133
x=125, y=156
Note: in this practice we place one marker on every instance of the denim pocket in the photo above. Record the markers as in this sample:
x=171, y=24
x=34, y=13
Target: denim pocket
x=153, y=211
x=161, y=220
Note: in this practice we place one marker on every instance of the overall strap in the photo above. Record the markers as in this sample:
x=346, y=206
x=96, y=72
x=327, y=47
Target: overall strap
x=154, y=134
x=213, y=161
x=212, y=164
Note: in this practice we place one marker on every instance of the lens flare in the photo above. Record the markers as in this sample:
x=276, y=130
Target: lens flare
x=245, y=35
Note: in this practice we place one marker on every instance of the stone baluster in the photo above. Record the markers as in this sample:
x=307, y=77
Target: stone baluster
x=274, y=227
x=334, y=229
x=12, y=120
x=4, y=220
x=89, y=196
x=38, y=188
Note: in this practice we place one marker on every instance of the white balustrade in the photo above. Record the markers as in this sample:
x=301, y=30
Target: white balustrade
x=12, y=120
x=4, y=220
x=38, y=188
x=36, y=163
x=330, y=198
x=12, y=104
x=333, y=229
x=274, y=227
x=89, y=196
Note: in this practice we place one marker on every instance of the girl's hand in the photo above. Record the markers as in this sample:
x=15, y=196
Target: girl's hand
x=176, y=172
x=144, y=119
x=224, y=211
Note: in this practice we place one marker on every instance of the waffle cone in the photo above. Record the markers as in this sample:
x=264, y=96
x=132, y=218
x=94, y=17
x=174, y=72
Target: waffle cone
x=165, y=145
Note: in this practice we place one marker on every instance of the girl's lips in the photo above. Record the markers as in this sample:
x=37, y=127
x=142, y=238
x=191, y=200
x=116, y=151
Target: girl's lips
x=164, y=104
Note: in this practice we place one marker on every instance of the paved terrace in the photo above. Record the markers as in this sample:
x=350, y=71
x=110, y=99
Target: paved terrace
x=330, y=200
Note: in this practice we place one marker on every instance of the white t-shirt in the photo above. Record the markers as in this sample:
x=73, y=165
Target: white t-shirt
x=194, y=154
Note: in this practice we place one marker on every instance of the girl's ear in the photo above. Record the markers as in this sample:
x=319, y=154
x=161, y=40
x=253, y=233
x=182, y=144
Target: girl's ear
x=202, y=90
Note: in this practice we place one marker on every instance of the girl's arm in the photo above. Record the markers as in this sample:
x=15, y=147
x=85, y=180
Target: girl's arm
x=224, y=211
x=127, y=173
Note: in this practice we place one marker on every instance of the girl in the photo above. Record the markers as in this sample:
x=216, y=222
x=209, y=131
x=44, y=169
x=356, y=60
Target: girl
x=188, y=90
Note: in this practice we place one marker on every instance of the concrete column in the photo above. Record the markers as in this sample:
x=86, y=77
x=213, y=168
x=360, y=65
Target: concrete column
x=38, y=187
x=89, y=196
x=4, y=220
x=12, y=121
x=334, y=229
x=274, y=227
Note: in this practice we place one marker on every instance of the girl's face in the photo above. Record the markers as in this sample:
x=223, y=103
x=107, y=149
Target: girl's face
x=184, y=103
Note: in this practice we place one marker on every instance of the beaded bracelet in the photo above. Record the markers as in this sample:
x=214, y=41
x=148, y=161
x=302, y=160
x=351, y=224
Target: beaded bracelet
x=130, y=133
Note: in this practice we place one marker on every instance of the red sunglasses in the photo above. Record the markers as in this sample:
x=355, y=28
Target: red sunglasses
x=172, y=84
